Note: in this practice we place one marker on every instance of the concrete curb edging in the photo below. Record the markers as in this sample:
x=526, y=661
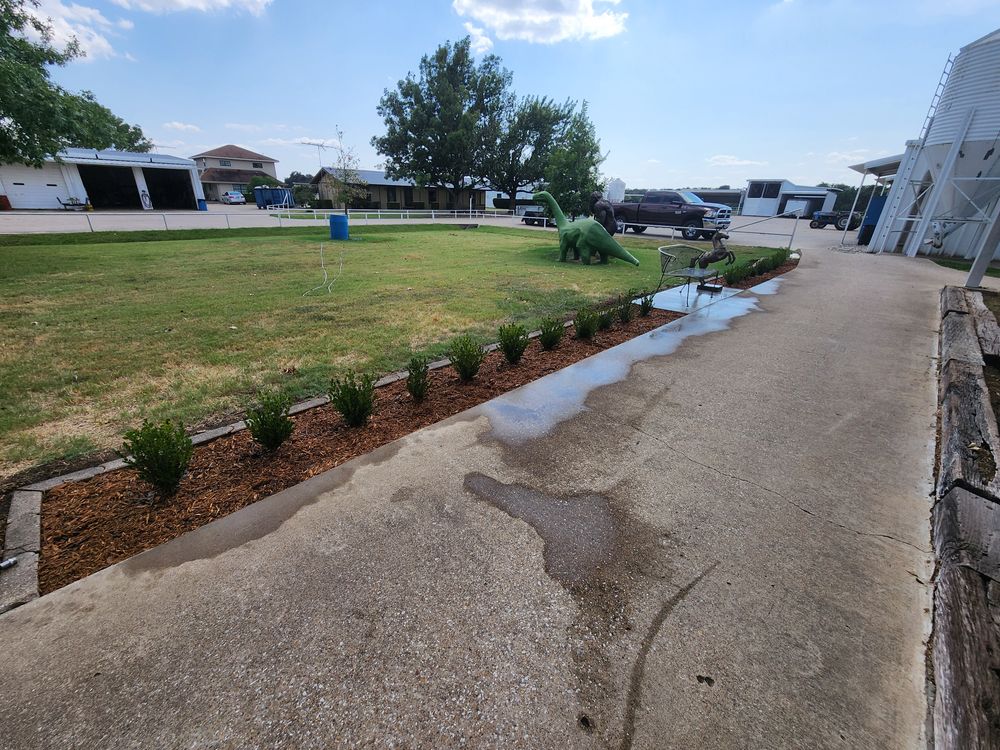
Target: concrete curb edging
x=19, y=585
x=22, y=543
x=965, y=648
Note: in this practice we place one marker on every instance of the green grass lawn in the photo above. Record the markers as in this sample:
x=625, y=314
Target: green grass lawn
x=102, y=331
x=965, y=265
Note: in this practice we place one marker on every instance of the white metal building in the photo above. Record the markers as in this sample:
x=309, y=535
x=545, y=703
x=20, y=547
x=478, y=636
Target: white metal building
x=778, y=196
x=944, y=197
x=107, y=179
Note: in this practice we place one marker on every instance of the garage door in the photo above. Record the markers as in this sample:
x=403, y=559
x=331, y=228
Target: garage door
x=28, y=187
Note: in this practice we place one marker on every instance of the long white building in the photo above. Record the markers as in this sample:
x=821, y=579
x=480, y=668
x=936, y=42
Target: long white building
x=105, y=179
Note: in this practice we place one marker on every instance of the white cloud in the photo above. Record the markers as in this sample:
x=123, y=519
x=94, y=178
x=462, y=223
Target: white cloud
x=728, y=160
x=89, y=26
x=848, y=157
x=328, y=142
x=652, y=161
x=163, y=143
x=480, y=42
x=544, y=21
x=256, y=7
x=174, y=125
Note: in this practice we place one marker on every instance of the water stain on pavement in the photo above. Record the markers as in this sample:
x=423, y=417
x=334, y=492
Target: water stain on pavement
x=579, y=532
x=606, y=558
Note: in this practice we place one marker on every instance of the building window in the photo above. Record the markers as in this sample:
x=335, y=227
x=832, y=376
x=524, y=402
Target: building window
x=432, y=195
x=756, y=190
x=240, y=188
x=390, y=194
x=258, y=165
x=225, y=163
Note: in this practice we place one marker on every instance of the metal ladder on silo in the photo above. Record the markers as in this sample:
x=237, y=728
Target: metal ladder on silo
x=904, y=179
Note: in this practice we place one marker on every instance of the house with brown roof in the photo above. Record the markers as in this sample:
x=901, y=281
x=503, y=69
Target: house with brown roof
x=230, y=168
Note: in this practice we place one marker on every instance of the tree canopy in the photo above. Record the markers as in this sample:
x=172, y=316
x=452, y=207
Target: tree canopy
x=435, y=121
x=518, y=142
x=573, y=172
x=37, y=117
x=297, y=177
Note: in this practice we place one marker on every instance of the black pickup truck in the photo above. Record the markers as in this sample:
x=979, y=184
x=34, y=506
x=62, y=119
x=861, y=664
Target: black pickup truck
x=674, y=208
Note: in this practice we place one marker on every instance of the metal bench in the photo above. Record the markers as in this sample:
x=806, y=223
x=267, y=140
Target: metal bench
x=678, y=262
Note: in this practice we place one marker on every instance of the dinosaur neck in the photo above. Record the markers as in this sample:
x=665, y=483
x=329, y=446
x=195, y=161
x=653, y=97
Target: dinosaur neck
x=560, y=217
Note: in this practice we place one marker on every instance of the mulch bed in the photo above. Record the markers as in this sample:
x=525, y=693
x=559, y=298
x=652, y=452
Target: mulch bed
x=89, y=525
x=755, y=280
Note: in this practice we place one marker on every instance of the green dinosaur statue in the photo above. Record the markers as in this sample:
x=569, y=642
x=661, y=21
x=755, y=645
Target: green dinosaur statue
x=585, y=237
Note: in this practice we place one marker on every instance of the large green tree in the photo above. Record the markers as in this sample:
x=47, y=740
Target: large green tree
x=434, y=120
x=37, y=117
x=518, y=141
x=573, y=170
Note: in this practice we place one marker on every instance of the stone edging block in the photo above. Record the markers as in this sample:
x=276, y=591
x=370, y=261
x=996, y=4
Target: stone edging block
x=19, y=584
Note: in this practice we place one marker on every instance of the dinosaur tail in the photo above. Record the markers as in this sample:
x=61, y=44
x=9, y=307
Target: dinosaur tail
x=617, y=251
x=546, y=198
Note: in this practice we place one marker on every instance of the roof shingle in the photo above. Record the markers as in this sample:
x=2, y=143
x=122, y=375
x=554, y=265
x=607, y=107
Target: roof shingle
x=229, y=151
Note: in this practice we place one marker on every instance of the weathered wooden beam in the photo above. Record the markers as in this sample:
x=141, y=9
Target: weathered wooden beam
x=966, y=663
x=985, y=323
x=967, y=532
x=953, y=299
x=959, y=341
x=970, y=445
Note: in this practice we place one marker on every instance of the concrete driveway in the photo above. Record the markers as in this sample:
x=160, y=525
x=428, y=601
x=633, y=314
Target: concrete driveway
x=713, y=537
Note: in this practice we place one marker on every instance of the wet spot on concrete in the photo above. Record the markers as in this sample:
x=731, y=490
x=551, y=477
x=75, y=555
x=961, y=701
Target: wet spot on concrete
x=532, y=411
x=252, y=522
x=578, y=532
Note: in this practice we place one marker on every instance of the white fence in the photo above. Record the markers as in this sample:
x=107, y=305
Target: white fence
x=25, y=222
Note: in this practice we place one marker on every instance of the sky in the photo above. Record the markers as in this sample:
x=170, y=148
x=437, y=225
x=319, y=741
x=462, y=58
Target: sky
x=682, y=94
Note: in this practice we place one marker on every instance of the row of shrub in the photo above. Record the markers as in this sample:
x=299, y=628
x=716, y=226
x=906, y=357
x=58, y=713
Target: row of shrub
x=160, y=453
x=737, y=273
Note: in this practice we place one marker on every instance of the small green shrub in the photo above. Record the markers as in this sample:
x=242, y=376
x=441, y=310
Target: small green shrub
x=646, y=304
x=552, y=333
x=417, y=379
x=605, y=319
x=268, y=421
x=160, y=453
x=513, y=342
x=585, y=323
x=735, y=274
x=624, y=310
x=466, y=356
x=354, y=397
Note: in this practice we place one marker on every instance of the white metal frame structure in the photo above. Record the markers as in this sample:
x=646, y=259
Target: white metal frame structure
x=948, y=181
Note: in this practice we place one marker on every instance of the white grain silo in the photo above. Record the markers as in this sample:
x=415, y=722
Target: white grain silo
x=944, y=198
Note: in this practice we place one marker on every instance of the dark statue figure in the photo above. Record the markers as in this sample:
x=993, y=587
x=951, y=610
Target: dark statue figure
x=603, y=212
x=717, y=253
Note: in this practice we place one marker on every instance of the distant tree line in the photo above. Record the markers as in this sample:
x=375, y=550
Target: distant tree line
x=457, y=122
x=845, y=198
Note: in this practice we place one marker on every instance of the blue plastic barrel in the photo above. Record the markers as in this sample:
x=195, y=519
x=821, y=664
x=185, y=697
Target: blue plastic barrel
x=338, y=227
x=202, y=205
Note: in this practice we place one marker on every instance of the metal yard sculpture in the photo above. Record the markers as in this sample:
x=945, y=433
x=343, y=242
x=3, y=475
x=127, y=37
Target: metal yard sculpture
x=585, y=237
x=603, y=212
x=717, y=253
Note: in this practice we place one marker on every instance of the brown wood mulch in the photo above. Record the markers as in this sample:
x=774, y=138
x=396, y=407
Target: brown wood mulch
x=89, y=525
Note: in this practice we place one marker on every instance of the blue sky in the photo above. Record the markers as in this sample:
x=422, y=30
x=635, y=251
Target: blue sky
x=682, y=93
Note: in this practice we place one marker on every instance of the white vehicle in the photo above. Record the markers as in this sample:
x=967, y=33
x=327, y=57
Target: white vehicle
x=232, y=197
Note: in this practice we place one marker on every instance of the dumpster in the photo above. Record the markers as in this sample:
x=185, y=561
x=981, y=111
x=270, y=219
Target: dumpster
x=872, y=214
x=338, y=227
x=265, y=195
